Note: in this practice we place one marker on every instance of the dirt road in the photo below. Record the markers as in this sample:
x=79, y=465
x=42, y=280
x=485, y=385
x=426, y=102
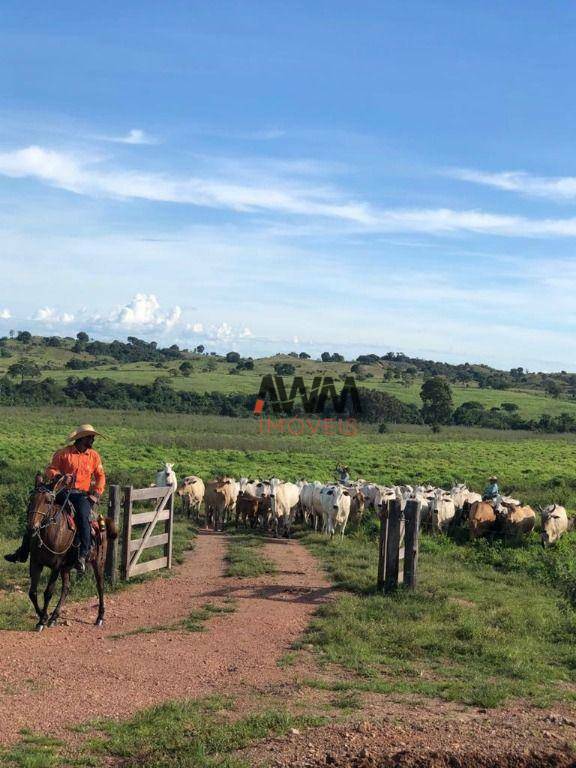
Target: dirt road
x=76, y=672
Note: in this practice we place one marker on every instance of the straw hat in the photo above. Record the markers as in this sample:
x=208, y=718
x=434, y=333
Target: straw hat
x=82, y=431
x=493, y=479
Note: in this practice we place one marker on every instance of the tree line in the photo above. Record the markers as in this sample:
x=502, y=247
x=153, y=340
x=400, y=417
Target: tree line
x=377, y=407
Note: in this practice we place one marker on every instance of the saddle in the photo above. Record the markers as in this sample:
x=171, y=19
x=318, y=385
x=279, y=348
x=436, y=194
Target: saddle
x=94, y=527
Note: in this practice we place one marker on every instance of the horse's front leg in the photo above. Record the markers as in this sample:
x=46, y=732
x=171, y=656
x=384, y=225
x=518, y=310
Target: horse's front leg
x=48, y=592
x=98, y=566
x=35, y=572
x=65, y=573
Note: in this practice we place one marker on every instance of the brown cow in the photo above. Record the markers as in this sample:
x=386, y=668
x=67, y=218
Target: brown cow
x=247, y=509
x=219, y=500
x=482, y=518
x=519, y=520
x=357, y=505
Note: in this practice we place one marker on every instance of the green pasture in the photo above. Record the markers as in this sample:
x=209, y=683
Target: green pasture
x=537, y=468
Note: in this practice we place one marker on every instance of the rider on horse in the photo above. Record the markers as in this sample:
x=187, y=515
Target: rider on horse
x=82, y=467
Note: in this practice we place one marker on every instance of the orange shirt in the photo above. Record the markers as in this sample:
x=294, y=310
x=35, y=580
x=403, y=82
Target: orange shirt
x=70, y=461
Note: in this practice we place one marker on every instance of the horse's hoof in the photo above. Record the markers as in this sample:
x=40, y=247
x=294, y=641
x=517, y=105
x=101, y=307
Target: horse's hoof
x=99, y=623
x=40, y=627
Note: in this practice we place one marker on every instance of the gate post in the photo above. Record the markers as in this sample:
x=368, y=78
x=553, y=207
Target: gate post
x=169, y=529
x=412, y=515
x=393, y=545
x=382, y=545
x=111, y=567
x=126, y=531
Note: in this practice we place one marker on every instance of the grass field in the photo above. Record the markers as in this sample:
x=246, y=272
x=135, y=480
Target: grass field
x=535, y=467
x=487, y=623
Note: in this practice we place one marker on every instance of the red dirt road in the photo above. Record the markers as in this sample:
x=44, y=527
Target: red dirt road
x=70, y=674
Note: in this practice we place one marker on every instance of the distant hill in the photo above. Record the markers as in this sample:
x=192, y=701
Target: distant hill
x=58, y=360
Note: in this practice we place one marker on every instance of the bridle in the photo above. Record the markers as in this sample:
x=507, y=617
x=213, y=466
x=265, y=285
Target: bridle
x=50, y=515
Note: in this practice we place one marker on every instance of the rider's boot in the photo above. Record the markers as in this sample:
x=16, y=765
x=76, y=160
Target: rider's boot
x=21, y=554
x=81, y=565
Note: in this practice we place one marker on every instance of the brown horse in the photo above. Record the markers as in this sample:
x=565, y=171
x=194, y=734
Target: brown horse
x=52, y=546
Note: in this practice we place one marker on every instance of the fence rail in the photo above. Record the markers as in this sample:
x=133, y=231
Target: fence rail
x=127, y=563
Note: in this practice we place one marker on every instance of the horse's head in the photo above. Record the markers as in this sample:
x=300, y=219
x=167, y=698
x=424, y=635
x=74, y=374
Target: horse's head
x=40, y=507
x=42, y=501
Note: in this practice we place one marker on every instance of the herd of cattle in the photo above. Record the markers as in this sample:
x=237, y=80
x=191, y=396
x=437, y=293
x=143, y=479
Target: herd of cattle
x=275, y=505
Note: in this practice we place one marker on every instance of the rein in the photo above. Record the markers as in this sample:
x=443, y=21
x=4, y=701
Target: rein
x=50, y=519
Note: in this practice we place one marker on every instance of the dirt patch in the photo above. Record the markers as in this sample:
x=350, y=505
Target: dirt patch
x=76, y=672
x=449, y=738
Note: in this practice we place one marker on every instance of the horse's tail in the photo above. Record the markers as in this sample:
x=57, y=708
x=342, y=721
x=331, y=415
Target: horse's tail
x=111, y=529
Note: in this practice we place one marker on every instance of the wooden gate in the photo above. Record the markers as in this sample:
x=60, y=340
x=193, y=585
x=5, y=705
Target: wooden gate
x=133, y=548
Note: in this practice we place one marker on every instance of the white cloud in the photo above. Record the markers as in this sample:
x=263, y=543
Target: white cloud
x=83, y=176
x=144, y=312
x=51, y=316
x=135, y=136
x=554, y=188
x=195, y=328
x=5, y=314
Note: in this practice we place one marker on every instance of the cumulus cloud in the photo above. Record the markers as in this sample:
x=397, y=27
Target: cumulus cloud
x=135, y=136
x=51, y=316
x=5, y=314
x=144, y=312
x=553, y=188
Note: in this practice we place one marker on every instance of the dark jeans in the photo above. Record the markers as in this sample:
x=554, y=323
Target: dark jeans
x=82, y=507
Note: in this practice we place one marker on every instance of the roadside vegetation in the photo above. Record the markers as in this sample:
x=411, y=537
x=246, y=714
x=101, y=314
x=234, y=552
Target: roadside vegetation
x=201, y=733
x=488, y=622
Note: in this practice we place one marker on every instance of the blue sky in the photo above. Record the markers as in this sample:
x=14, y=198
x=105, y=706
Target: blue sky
x=268, y=176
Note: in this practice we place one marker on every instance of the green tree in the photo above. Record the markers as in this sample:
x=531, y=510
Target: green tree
x=24, y=336
x=284, y=369
x=437, y=402
x=186, y=368
x=26, y=369
x=553, y=388
x=233, y=357
x=82, y=336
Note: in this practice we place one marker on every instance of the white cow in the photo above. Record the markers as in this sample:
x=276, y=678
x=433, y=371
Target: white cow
x=335, y=507
x=442, y=508
x=167, y=476
x=191, y=490
x=284, y=498
x=555, y=522
x=370, y=490
x=249, y=487
x=459, y=494
x=307, y=501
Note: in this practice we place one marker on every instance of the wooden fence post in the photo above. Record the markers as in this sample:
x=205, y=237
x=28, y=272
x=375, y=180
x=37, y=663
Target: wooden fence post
x=393, y=545
x=382, y=544
x=412, y=516
x=126, y=530
x=169, y=529
x=111, y=567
